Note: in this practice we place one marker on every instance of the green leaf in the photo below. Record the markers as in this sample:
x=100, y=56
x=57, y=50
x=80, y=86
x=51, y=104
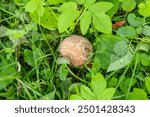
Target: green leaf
x=128, y=5
x=86, y=93
x=3, y=31
x=75, y=97
x=98, y=84
x=102, y=23
x=113, y=82
x=127, y=31
x=144, y=58
x=121, y=62
x=68, y=16
x=101, y=7
x=88, y=3
x=63, y=72
x=146, y=30
x=143, y=46
x=16, y=36
x=53, y=2
x=47, y=20
x=125, y=84
x=134, y=21
x=147, y=84
x=138, y=94
x=95, y=66
x=68, y=6
x=104, y=48
x=121, y=48
x=40, y=10
x=31, y=6
x=85, y=22
x=107, y=94
x=28, y=57
x=144, y=8
x=49, y=96
x=8, y=72
x=114, y=9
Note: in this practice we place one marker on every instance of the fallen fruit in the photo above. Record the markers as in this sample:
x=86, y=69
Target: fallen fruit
x=76, y=49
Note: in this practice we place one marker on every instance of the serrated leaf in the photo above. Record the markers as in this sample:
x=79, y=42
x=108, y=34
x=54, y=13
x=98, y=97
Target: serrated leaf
x=102, y=23
x=147, y=84
x=101, y=7
x=98, y=84
x=138, y=94
x=135, y=21
x=144, y=8
x=68, y=16
x=121, y=62
x=86, y=93
x=128, y=5
x=85, y=22
x=127, y=31
x=146, y=30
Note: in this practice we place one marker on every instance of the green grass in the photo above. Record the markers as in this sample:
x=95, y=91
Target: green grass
x=29, y=50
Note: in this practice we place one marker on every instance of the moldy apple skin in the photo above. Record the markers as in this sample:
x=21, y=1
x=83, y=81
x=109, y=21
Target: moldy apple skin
x=76, y=49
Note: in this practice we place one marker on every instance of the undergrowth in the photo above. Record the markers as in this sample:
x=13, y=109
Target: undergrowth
x=32, y=68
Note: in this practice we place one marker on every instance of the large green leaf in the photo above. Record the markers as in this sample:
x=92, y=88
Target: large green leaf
x=104, y=48
x=121, y=62
x=102, y=23
x=98, y=84
x=85, y=22
x=101, y=7
x=68, y=16
x=32, y=5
